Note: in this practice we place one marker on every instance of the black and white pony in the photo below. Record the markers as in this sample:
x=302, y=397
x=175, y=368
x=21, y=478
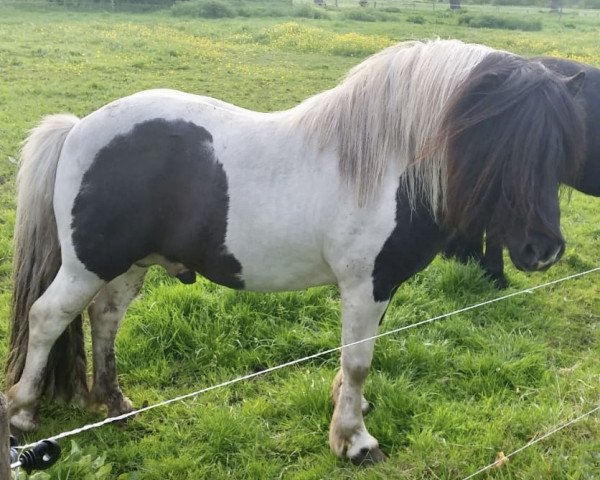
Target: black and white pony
x=470, y=247
x=357, y=186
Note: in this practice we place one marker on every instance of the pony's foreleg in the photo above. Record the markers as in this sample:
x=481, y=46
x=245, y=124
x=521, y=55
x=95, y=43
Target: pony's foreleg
x=465, y=247
x=65, y=298
x=493, y=262
x=106, y=312
x=348, y=435
x=365, y=406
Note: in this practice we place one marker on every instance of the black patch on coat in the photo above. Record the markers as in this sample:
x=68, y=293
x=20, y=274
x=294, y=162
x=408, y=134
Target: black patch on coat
x=412, y=245
x=158, y=189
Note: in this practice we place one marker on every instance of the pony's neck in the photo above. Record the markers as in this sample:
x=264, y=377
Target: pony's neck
x=384, y=114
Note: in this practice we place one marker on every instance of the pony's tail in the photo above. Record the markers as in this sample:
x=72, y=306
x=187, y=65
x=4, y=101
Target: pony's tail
x=37, y=259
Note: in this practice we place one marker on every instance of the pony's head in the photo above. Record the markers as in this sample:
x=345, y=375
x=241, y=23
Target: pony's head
x=511, y=132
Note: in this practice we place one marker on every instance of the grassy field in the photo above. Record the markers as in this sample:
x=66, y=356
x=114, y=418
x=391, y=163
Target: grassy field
x=448, y=396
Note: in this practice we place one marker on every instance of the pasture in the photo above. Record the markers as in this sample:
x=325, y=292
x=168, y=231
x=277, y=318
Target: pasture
x=447, y=396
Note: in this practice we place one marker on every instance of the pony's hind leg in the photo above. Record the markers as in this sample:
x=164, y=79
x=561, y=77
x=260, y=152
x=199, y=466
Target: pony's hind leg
x=106, y=312
x=66, y=297
x=348, y=436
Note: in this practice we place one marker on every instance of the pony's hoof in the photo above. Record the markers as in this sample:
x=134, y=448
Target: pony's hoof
x=120, y=407
x=23, y=421
x=187, y=277
x=124, y=407
x=94, y=403
x=499, y=280
x=368, y=456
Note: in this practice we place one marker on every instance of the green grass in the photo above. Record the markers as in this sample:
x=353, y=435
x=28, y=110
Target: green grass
x=448, y=396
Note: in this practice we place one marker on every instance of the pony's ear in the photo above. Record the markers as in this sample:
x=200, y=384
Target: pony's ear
x=575, y=83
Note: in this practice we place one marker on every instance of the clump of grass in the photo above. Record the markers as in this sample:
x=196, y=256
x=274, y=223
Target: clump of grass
x=417, y=19
x=448, y=13
x=307, y=11
x=369, y=15
x=502, y=23
x=204, y=9
x=224, y=9
x=263, y=11
x=359, y=15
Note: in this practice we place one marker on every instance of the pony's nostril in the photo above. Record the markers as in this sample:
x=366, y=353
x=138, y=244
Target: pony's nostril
x=552, y=254
x=538, y=256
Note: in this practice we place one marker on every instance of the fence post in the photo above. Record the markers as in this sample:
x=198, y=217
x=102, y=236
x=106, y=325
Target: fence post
x=4, y=440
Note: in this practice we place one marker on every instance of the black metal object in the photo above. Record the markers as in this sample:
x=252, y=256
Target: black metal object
x=40, y=457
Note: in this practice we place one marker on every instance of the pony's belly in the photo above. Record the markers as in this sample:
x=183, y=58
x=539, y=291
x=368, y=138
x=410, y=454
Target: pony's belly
x=280, y=268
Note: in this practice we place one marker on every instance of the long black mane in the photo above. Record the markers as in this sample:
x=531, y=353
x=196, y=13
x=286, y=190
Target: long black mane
x=512, y=128
x=465, y=247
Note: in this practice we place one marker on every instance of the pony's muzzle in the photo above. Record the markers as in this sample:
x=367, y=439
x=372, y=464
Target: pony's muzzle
x=540, y=255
